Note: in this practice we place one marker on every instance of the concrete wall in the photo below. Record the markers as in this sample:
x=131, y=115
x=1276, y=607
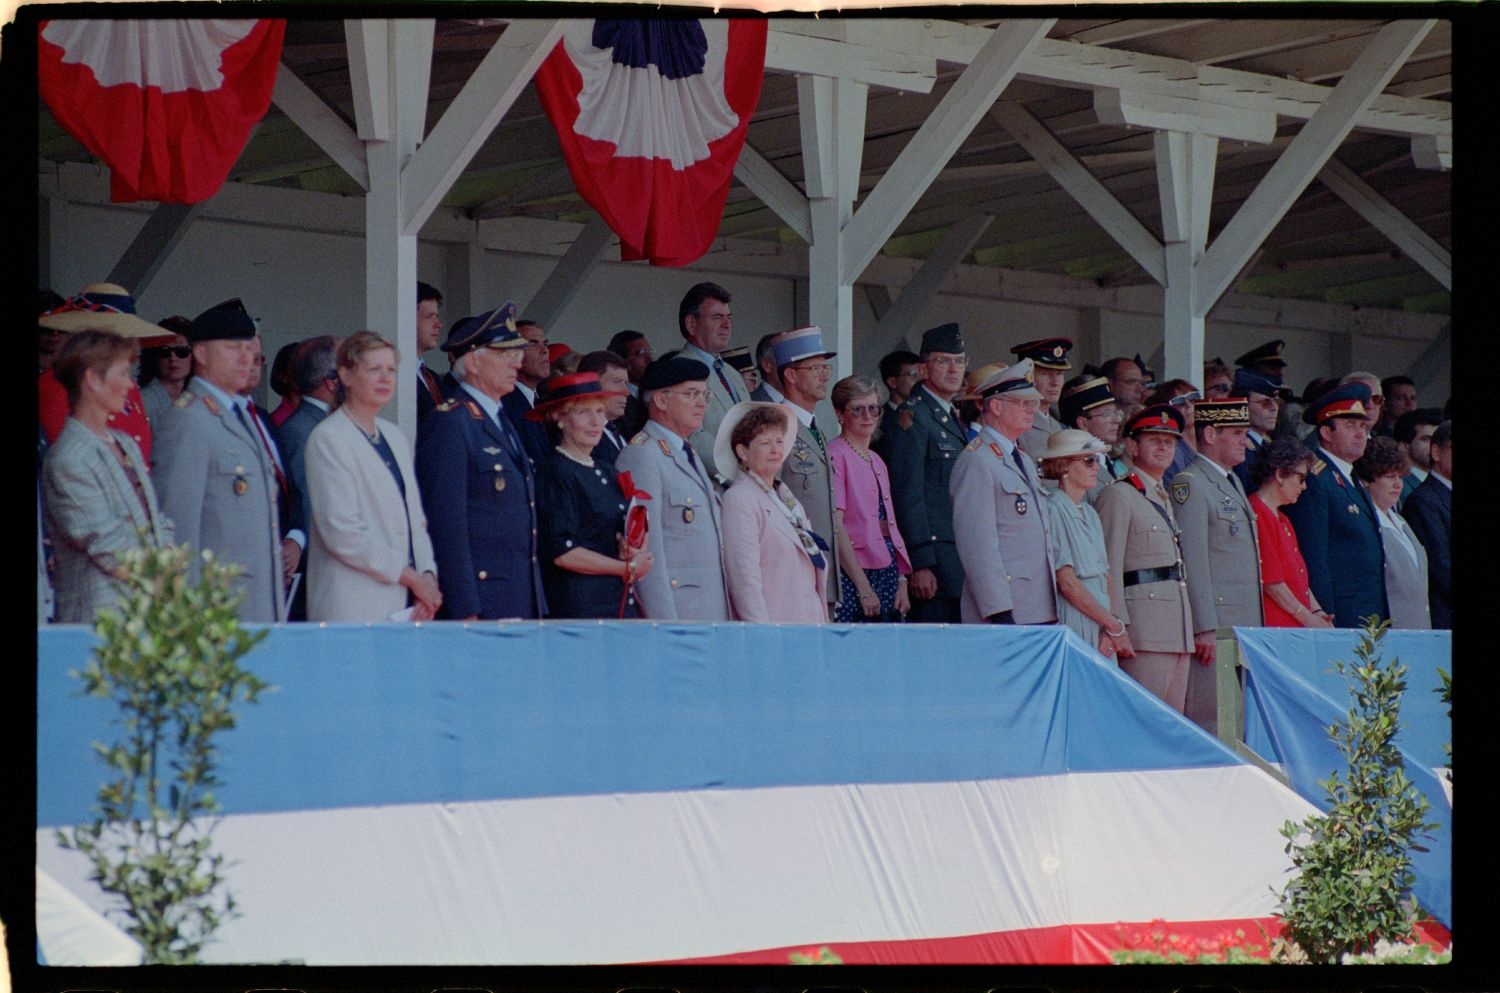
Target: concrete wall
x=305, y=276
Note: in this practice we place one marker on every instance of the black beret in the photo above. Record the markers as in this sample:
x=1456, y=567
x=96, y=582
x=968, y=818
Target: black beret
x=668, y=372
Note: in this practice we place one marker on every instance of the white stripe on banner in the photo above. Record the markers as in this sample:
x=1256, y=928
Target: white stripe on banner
x=656, y=876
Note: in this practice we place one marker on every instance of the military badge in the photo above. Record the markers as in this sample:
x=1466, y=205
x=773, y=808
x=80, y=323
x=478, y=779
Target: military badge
x=687, y=515
x=499, y=484
x=184, y=399
x=241, y=486
x=1353, y=509
x=903, y=419
x=447, y=405
x=1021, y=505
x=1181, y=491
x=491, y=450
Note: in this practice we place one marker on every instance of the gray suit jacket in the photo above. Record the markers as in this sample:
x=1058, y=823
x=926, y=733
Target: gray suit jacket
x=1043, y=426
x=1219, y=550
x=93, y=516
x=719, y=402
x=292, y=437
x=686, y=581
x=215, y=481
x=1000, y=527
x=808, y=474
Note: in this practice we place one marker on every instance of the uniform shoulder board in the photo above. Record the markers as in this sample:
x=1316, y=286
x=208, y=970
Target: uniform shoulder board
x=1318, y=466
x=640, y=438
x=1181, y=489
x=211, y=404
x=474, y=410
x=184, y=399
x=446, y=406
x=973, y=446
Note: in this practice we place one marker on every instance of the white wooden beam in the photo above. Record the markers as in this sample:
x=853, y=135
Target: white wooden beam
x=774, y=190
x=411, y=43
x=923, y=288
x=832, y=121
x=1389, y=221
x=1082, y=185
x=951, y=122
x=896, y=70
x=473, y=114
x=1132, y=108
x=1185, y=178
x=152, y=245
x=1434, y=152
x=369, y=77
x=1312, y=147
x=568, y=275
x=1070, y=63
x=320, y=123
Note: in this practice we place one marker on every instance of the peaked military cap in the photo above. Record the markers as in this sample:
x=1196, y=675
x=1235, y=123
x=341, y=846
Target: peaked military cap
x=1046, y=353
x=224, y=321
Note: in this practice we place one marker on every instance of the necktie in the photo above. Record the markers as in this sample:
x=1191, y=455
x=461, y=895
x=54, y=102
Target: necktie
x=692, y=460
x=430, y=381
x=265, y=443
x=818, y=437
x=734, y=395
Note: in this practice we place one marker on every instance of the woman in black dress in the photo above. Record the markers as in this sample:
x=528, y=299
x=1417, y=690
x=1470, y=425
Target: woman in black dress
x=588, y=569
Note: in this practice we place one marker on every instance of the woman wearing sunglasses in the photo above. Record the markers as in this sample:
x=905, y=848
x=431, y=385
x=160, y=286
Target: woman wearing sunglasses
x=165, y=370
x=867, y=533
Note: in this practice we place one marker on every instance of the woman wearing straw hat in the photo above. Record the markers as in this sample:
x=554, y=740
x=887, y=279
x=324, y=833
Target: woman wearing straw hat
x=773, y=562
x=99, y=307
x=1071, y=460
x=99, y=500
x=589, y=571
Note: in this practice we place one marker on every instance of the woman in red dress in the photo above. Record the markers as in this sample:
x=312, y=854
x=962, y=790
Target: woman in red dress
x=1280, y=475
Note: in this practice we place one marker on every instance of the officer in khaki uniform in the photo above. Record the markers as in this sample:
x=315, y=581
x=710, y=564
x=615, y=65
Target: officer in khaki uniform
x=802, y=363
x=1219, y=548
x=1088, y=405
x=1146, y=588
x=999, y=523
x=1050, y=365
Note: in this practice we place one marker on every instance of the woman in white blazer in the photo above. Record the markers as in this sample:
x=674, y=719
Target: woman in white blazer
x=369, y=557
x=772, y=563
x=1383, y=470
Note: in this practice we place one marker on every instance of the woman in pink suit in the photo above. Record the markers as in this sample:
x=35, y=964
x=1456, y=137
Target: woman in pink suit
x=868, y=535
x=772, y=560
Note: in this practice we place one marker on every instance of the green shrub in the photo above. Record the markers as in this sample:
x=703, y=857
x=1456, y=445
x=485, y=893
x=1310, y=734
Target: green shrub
x=168, y=655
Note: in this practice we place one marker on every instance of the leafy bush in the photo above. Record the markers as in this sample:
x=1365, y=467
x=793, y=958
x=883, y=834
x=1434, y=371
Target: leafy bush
x=168, y=655
x=1353, y=865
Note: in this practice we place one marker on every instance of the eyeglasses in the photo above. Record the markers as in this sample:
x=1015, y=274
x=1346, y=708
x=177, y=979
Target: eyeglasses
x=817, y=368
x=863, y=410
x=1186, y=399
x=1218, y=389
x=692, y=395
x=948, y=361
x=174, y=351
x=1108, y=413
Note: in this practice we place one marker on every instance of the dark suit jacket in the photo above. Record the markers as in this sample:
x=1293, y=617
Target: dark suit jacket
x=479, y=496
x=922, y=449
x=533, y=434
x=1340, y=540
x=292, y=437
x=1429, y=511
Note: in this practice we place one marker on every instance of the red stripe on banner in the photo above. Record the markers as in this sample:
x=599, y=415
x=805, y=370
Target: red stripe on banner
x=663, y=214
x=1066, y=944
x=169, y=147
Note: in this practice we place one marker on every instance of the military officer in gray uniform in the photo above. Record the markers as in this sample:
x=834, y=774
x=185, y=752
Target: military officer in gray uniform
x=999, y=523
x=920, y=455
x=1219, y=548
x=687, y=581
x=213, y=476
x=1050, y=365
x=1146, y=588
x=803, y=367
x=1088, y=405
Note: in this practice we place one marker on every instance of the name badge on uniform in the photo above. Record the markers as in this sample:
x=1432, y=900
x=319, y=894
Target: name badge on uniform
x=1021, y=505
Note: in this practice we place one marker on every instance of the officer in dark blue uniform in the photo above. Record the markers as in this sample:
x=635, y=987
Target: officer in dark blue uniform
x=477, y=485
x=1335, y=520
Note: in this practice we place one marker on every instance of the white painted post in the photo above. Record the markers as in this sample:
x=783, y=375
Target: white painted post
x=832, y=112
x=1185, y=180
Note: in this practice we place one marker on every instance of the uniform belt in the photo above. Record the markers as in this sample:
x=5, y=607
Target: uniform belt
x=1138, y=576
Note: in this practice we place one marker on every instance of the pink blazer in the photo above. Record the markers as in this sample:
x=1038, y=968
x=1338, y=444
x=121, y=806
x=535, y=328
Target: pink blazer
x=770, y=577
x=855, y=493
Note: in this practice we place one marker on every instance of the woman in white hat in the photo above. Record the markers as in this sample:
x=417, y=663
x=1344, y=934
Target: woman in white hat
x=773, y=562
x=1078, y=550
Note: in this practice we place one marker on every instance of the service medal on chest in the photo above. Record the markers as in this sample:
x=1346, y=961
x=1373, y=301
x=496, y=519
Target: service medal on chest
x=1021, y=505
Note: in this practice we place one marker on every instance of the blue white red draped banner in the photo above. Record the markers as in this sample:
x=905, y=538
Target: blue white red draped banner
x=576, y=792
x=652, y=116
x=167, y=104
